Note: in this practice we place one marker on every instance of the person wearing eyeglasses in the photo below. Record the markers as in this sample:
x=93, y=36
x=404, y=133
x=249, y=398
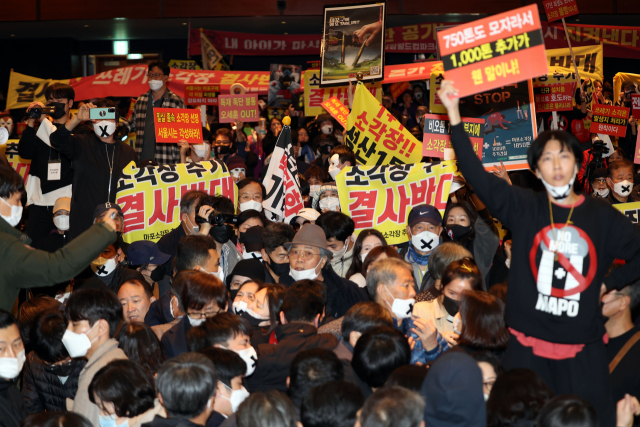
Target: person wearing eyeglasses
x=141, y=122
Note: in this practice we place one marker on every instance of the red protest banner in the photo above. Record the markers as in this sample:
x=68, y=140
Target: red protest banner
x=558, y=9
x=174, y=124
x=406, y=72
x=610, y=120
x=398, y=88
x=554, y=97
x=493, y=52
x=337, y=110
x=412, y=38
x=635, y=105
x=201, y=94
x=437, y=134
x=234, y=108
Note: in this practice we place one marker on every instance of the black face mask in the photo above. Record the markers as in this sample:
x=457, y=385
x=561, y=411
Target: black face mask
x=279, y=270
x=457, y=232
x=222, y=149
x=252, y=320
x=233, y=293
x=303, y=143
x=60, y=109
x=451, y=305
x=158, y=273
x=326, y=149
x=61, y=370
x=221, y=233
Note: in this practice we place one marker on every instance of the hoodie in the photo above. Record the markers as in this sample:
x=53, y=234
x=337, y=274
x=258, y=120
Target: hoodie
x=341, y=265
x=453, y=393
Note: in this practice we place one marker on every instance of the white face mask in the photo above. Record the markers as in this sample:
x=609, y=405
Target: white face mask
x=103, y=267
x=239, y=307
x=402, y=308
x=62, y=222
x=486, y=396
x=334, y=168
x=252, y=204
x=313, y=190
x=195, y=322
x=250, y=357
x=7, y=124
x=155, y=84
x=327, y=129
x=601, y=193
x=237, y=397
x=251, y=255
x=77, y=345
x=219, y=274
x=10, y=367
x=363, y=256
x=425, y=241
x=195, y=229
x=622, y=188
x=561, y=193
x=16, y=214
x=339, y=254
x=304, y=274
x=236, y=172
x=457, y=327
x=256, y=315
x=200, y=149
x=104, y=128
x=418, y=95
x=330, y=203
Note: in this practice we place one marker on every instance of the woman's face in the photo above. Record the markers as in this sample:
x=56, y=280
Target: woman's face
x=237, y=281
x=488, y=377
x=328, y=193
x=260, y=304
x=276, y=127
x=407, y=99
x=247, y=292
x=251, y=222
x=369, y=243
x=303, y=136
x=456, y=287
x=107, y=409
x=314, y=181
x=615, y=156
x=458, y=216
x=557, y=164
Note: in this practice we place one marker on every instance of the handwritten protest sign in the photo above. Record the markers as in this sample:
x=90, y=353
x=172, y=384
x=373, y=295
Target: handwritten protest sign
x=554, y=97
x=174, y=124
x=558, y=9
x=150, y=197
x=201, y=94
x=234, y=108
x=610, y=120
x=437, y=135
x=337, y=110
x=495, y=51
x=381, y=197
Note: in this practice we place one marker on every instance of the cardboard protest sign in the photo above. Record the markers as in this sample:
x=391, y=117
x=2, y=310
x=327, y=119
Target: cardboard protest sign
x=610, y=120
x=337, y=110
x=150, y=197
x=495, y=51
x=437, y=135
x=238, y=108
x=375, y=136
x=174, y=124
x=558, y=9
x=635, y=105
x=10, y=151
x=381, y=197
x=201, y=94
x=314, y=95
x=630, y=210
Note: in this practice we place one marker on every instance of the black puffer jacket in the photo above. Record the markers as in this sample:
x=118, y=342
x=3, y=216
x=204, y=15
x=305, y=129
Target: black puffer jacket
x=43, y=390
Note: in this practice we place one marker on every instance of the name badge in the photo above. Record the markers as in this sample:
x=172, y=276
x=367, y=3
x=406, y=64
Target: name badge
x=54, y=171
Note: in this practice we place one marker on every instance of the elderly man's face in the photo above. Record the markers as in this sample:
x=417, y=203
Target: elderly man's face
x=119, y=220
x=303, y=257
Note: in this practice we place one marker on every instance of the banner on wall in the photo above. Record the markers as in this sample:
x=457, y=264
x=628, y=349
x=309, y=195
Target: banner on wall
x=10, y=151
x=381, y=197
x=150, y=197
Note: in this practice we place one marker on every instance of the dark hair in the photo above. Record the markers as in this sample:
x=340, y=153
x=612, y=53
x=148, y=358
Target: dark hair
x=10, y=182
x=228, y=363
x=516, y=395
x=499, y=290
x=267, y=409
x=310, y=368
x=345, y=154
x=334, y=404
x=316, y=172
x=305, y=188
x=141, y=345
x=472, y=214
x=162, y=65
x=464, y=269
x=410, y=377
x=178, y=284
x=303, y=301
x=393, y=406
x=129, y=274
x=567, y=142
x=193, y=250
x=375, y=253
x=243, y=183
x=219, y=329
x=248, y=214
x=443, y=255
x=31, y=309
x=490, y=358
x=483, y=325
x=619, y=164
x=59, y=91
x=364, y=315
x=378, y=352
x=46, y=334
x=107, y=103
x=568, y=410
x=92, y=305
x=224, y=132
x=55, y=419
x=276, y=235
x=275, y=299
x=189, y=200
x=336, y=224
x=186, y=384
x=6, y=319
x=123, y=383
x=200, y=289
x=223, y=205
x=356, y=261
x=148, y=290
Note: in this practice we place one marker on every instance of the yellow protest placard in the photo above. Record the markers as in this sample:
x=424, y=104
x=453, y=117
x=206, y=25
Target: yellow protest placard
x=588, y=61
x=381, y=197
x=375, y=136
x=620, y=78
x=437, y=75
x=23, y=90
x=630, y=210
x=22, y=166
x=150, y=197
x=184, y=64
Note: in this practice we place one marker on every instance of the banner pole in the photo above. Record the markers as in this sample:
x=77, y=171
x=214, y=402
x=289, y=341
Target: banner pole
x=573, y=58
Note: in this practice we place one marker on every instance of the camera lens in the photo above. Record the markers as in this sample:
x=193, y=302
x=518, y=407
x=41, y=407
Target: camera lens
x=218, y=219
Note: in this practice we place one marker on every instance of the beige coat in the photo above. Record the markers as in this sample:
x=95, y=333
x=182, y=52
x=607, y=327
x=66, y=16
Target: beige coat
x=435, y=312
x=81, y=404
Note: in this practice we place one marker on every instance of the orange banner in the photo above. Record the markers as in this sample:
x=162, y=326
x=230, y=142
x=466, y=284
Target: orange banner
x=337, y=110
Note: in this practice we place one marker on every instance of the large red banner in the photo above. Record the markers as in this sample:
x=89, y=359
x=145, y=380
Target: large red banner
x=230, y=43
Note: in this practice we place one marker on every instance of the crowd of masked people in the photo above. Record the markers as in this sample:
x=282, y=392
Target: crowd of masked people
x=300, y=323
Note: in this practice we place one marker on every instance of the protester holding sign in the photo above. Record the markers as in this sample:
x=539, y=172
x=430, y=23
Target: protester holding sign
x=563, y=244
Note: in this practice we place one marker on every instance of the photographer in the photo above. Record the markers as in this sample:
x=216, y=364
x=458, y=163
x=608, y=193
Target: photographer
x=50, y=175
x=98, y=161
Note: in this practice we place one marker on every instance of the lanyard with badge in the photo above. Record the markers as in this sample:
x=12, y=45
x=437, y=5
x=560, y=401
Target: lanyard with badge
x=54, y=167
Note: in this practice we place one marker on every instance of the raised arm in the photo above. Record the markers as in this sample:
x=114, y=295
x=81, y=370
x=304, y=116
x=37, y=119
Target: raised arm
x=63, y=141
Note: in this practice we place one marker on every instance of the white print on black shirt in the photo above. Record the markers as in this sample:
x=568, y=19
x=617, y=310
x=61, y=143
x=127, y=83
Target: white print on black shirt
x=561, y=281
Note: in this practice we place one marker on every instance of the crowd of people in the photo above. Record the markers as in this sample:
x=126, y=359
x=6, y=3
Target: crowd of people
x=306, y=322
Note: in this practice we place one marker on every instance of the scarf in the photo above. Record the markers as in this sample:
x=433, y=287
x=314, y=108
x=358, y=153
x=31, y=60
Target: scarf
x=414, y=257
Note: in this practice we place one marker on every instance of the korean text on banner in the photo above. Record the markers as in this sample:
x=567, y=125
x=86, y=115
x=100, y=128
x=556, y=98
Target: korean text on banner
x=436, y=77
x=174, y=124
x=381, y=197
x=630, y=210
x=407, y=72
x=554, y=97
x=375, y=136
x=588, y=60
x=23, y=90
x=150, y=197
x=238, y=108
x=558, y=9
x=635, y=105
x=337, y=110
x=314, y=95
x=10, y=151
x=412, y=38
x=437, y=135
x=636, y=156
x=495, y=51
x=201, y=94
x=610, y=120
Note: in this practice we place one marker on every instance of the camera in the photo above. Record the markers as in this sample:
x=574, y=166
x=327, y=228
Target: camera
x=217, y=218
x=598, y=150
x=36, y=112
